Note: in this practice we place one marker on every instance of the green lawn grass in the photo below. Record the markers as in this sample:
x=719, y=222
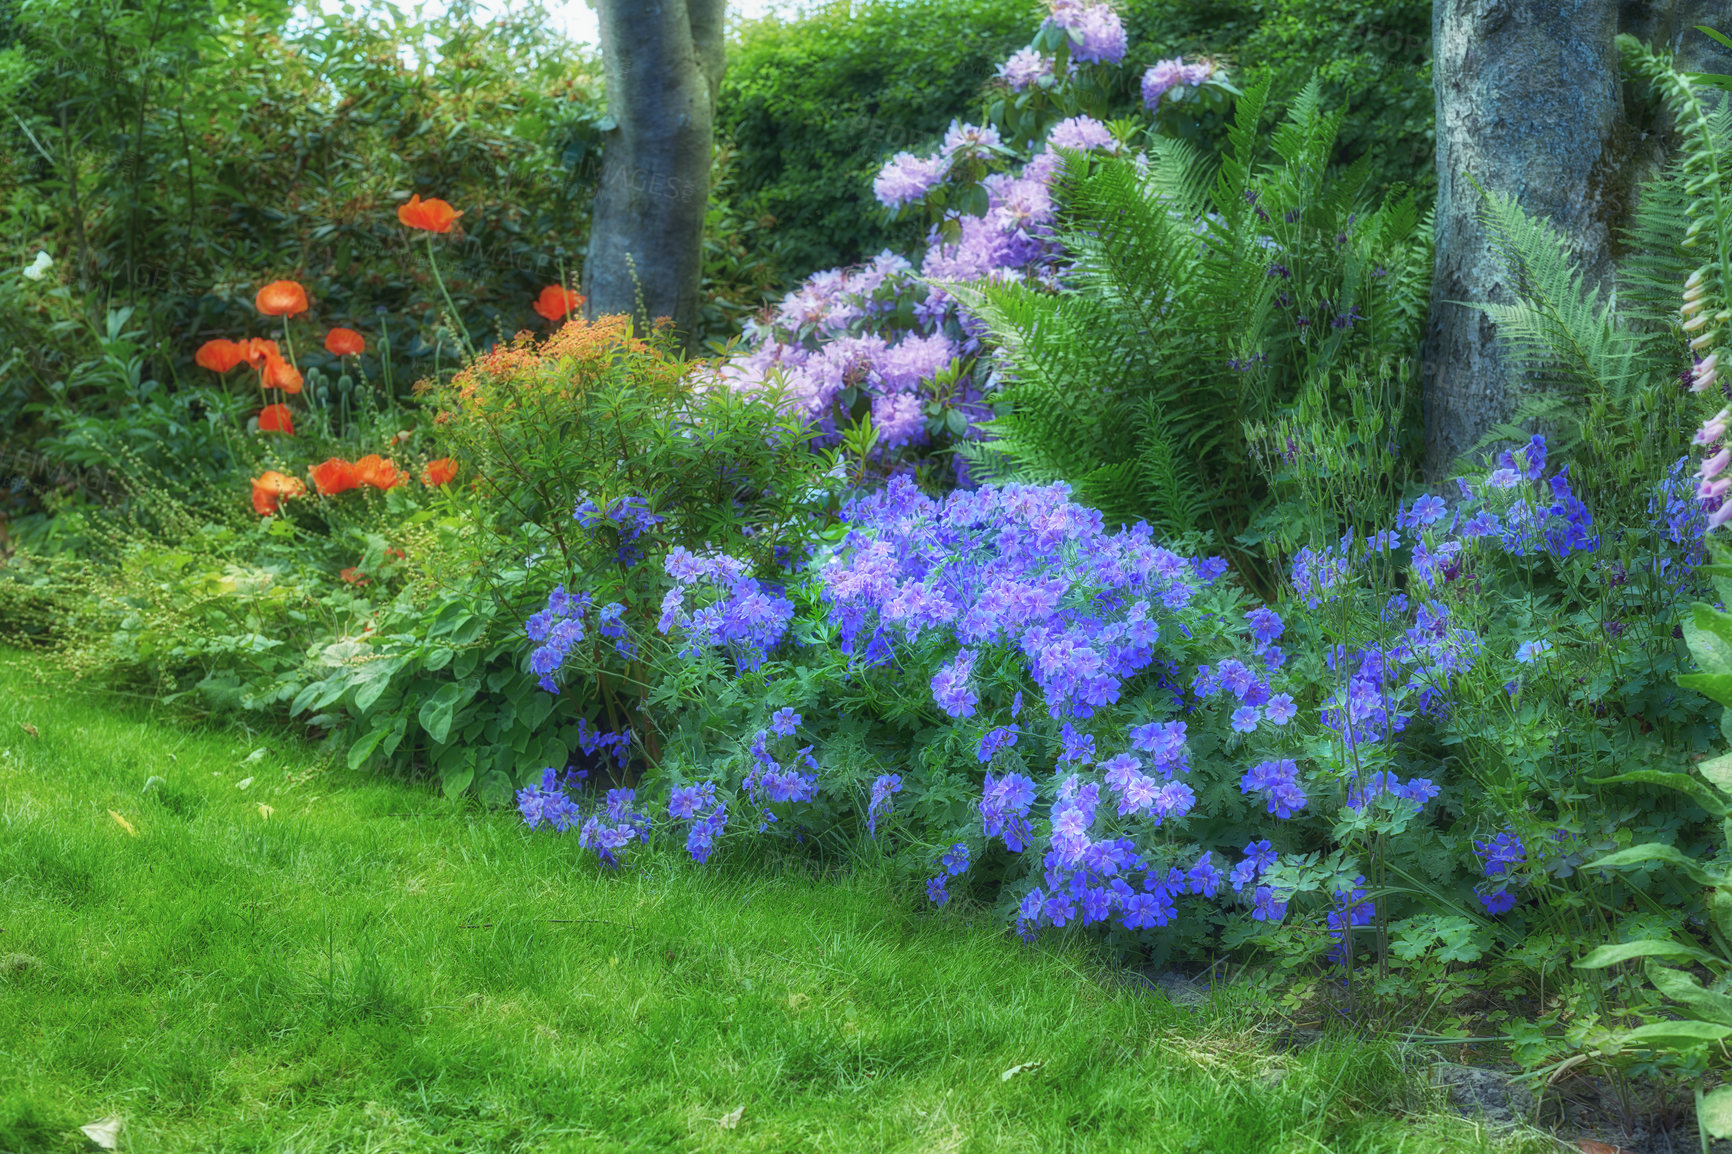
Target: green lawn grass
x=370, y=967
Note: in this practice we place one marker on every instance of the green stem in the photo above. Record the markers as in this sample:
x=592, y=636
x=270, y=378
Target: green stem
x=456, y=317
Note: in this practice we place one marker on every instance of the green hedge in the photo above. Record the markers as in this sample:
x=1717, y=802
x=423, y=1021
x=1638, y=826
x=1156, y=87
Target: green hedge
x=814, y=106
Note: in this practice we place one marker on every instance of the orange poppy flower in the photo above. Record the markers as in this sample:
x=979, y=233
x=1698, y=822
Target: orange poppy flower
x=280, y=374
x=439, y=472
x=556, y=302
x=255, y=351
x=281, y=298
x=271, y=489
x=427, y=215
x=353, y=576
x=276, y=419
x=376, y=471
x=219, y=356
x=345, y=342
x=334, y=476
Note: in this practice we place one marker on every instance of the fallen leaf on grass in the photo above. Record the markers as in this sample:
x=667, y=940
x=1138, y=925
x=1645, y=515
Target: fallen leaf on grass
x=265, y=811
x=1589, y=1146
x=123, y=823
x=254, y=756
x=731, y=1119
x=30, y=729
x=243, y=783
x=1025, y=1068
x=105, y=1133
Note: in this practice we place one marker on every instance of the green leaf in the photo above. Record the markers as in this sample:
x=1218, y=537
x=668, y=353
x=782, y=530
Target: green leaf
x=495, y=789
x=437, y=711
x=1676, y=1035
x=1638, y=854
x=1651, y=948
x=377, y=680
x=1721, y=39
x=1682, y=782
x=1681, y=987
x=1718, y=772
x=457, y=779
x=1708, y=632
x=363, y=749
x=1714, y=1111
x=1716, y=687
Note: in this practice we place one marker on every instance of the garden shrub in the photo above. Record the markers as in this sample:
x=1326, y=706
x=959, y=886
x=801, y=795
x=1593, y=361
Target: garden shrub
x=1193, y=308
x=169, y=168
x=887, y=357
x=580, y=457
x=374, y=583
x=814, y=105
x=1071, y=724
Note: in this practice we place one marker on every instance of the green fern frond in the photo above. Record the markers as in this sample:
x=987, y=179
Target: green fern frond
x=1559, y=329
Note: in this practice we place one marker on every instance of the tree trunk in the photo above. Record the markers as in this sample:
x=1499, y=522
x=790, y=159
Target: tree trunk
x=663, y=62
x=1529, y=103
x=1671, y=24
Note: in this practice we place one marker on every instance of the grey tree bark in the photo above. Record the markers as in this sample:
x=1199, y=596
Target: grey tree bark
x=663, y=63
x=1530, y=103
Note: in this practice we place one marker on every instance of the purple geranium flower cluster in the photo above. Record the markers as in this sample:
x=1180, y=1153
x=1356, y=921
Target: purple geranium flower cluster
x=1019, y=568
x=629, y=518
x=607, y=830
x=737, y=614
x=707, y=813
x=557, y=629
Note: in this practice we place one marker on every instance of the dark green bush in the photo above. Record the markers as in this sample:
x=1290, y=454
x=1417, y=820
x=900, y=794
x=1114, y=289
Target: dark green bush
x=813, y=107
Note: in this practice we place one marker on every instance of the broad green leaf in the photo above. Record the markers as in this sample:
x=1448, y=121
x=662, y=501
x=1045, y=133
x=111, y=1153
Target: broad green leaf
x=1714, y=1111
x=394, y=735
x=378, y=680
x=457, y=779
x=363, y=749
x=437, y=711
x=1682, y=782
x=1720, y=903
x=1708, y=632
x=1624, y=951
x=1716, y=686
x=1640, y=854
x=1718, y=772
x=1675, y=1035
x=1681, y=987
x=495, y=791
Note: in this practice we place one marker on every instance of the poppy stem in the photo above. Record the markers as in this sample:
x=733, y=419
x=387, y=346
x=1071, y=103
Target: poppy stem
x=289, y=340
x=456, y=317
